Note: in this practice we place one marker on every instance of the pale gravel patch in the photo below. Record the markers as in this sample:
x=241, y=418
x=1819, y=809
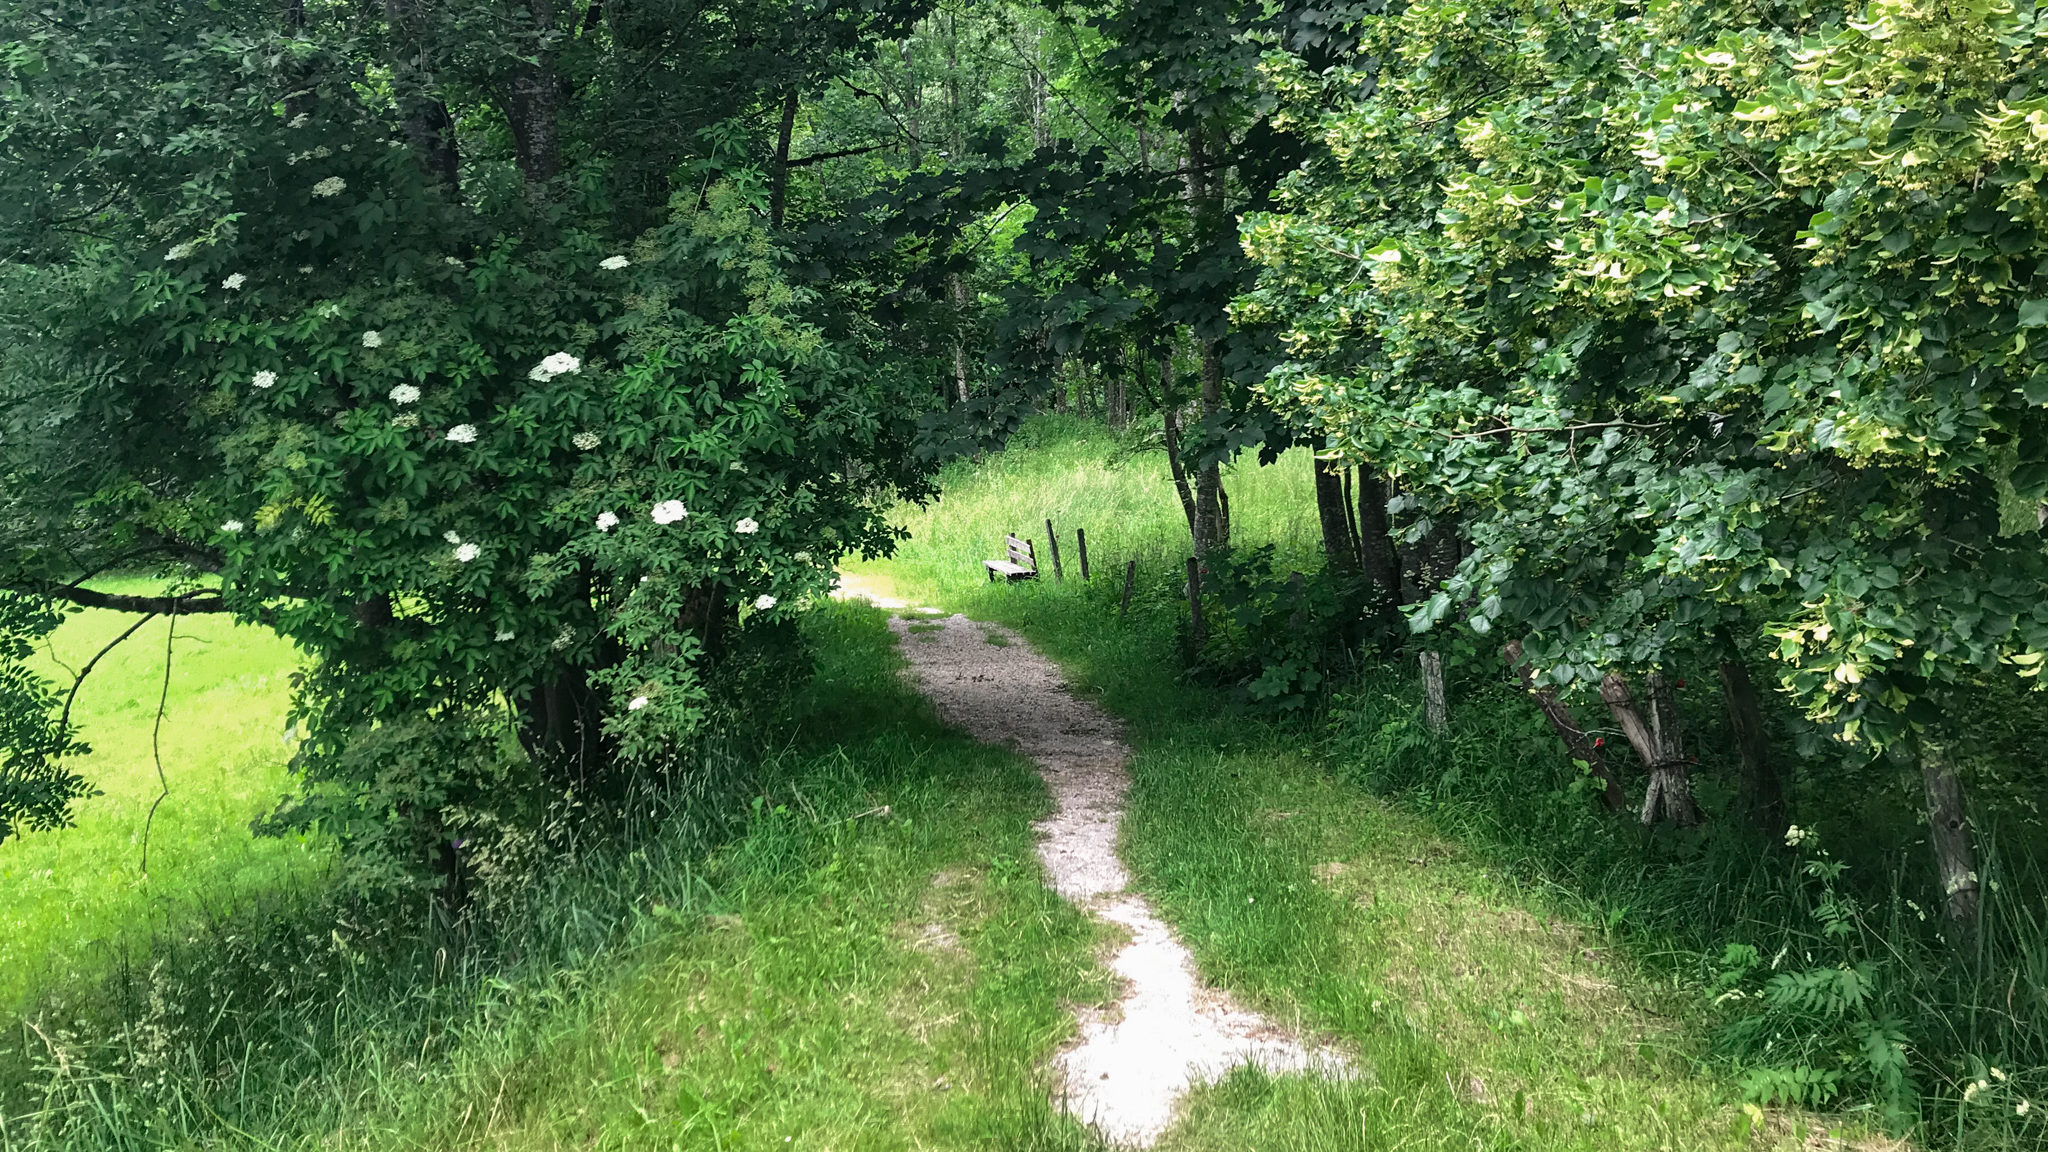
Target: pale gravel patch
x=1168, y=1032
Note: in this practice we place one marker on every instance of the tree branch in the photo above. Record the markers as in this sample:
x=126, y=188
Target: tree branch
x=189, y=604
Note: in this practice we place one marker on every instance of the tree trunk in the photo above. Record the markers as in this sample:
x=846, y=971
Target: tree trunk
x=561, y=725
x=1948, y=826
x=1436, y=704
x=778, y=191
x=1169, y=417
x=1659, y=746
x=1762, y=791
x=1377, y=558
x=958, y=284
x=1340, y=551
x=532, y=107
x=1213, y=530
x=1567, y=727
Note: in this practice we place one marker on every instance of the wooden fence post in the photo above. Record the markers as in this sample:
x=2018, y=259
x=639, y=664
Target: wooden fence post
x=1130, y=578
x=1197, y=631
x=1081, y=542
x=1436, y=706
x=1053, y=540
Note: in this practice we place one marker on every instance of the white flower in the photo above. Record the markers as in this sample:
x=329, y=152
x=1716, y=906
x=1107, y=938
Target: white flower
x=405, y=394
x=305, y=269
x=613, y=263
x=585, y=441
x=232, y=526
x=559, y=364
x=745, y=526
x=332, y=186
x=606, y=521
x=802, y=557
x=466, y=553
x=406, y=420
x=462, y=434
x=451, y=537
x=2022, y=1108
x=298, y=121
x=181, y=251
x=373, y=339
x=763, y=602
x=451, y=261
x=637, y=704
x=669, y=511
x=1794, y=836
x=235, y=280
x=566, y=638
x=504, y=634
x=264, y=379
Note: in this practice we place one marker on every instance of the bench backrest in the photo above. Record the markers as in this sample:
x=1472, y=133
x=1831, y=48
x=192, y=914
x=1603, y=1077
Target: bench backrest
x=1020, y=552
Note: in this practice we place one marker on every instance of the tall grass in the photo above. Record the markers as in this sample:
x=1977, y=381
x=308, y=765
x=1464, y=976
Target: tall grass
x=74, y=899
x=1499, y=783
x=801, y=938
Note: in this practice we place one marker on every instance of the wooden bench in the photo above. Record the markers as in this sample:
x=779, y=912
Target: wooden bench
x=1021, y=563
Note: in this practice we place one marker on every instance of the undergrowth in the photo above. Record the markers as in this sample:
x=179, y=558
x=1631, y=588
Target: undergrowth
x=1812, y=975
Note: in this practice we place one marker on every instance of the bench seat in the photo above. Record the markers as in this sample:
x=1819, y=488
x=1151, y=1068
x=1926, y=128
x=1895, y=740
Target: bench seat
x=1008, y=570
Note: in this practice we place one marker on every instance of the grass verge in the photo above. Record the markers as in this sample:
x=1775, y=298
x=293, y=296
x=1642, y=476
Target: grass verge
x=866, y=959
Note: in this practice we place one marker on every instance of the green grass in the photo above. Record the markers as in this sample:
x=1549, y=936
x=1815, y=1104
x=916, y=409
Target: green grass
x=1489, y=1012
x=73, y=899
x=852, y=950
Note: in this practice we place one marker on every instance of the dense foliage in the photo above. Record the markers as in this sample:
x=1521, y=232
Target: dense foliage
x=401, y=331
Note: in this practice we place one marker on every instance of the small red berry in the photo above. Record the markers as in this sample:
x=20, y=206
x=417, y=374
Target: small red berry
x=1599, y=741
x=1681, y=683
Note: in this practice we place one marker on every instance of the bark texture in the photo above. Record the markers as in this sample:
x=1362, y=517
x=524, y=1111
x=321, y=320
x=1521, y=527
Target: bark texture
x=1436, y=703
x=1948, y=825
x=1659, y=744
x=1340, y=551
x=1762, y=790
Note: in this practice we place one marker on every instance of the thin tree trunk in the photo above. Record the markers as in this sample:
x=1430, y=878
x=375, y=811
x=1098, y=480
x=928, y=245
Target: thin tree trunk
x=1212, y=529
x=778, y=192
x=1170, y=422
x=1436, y=704
x=1567, y=727
x=1657, y=744
x=1762, y=791
x=1948, y=826
x=1340, y=551
x=958, y=284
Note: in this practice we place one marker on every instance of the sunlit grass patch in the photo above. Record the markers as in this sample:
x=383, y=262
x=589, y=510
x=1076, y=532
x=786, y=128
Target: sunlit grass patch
x=73, y=898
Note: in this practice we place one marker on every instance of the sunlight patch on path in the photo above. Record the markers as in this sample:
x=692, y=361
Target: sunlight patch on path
x=1167, y=1032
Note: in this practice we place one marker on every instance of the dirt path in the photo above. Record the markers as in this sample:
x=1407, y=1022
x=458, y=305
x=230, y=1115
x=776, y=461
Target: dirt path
x=1132, y=1063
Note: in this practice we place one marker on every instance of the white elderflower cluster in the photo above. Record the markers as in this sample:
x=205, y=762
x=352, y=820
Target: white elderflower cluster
x=669, y=511
x=565, y=638
x=745, y=526
x=585, y=441
x=559, y=364
x=451, y=261
x=373, y=339
x=613, y=263
x=606, y=521
x=264, y=379
x=505, y=634
x=763, y=602
x=467, y=552
x=181, y=251
x=232, y=526
x=332, y=186
x=451, y=536
x=636, y=704
x=235, y=280
x=1795, y=836
x=462, y=434
x=405, y=394
x=802, y=557
x=406, y=420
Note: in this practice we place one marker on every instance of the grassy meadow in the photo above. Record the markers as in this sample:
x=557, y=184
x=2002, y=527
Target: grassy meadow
x=73, y=899
x=833, y=932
